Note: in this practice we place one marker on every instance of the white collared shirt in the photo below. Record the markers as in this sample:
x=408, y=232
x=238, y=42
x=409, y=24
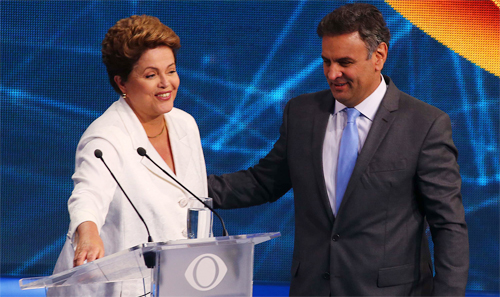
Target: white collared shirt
x=336, y=123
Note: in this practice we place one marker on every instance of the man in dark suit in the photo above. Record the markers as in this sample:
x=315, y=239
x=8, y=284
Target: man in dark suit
x=361, y=211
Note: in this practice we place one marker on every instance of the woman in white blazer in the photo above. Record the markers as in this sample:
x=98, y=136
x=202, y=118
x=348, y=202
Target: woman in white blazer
x=139, y=54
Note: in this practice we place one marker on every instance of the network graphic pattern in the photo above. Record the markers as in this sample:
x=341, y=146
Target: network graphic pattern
x=239, y=64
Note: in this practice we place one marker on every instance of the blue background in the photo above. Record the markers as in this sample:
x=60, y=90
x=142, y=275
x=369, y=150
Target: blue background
x=239, y=64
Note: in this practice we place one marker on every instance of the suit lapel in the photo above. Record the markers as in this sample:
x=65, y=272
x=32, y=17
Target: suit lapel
x=320, y=123
x=381, y=123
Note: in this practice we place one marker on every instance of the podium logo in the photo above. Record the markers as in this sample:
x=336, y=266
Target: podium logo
x=206, y=272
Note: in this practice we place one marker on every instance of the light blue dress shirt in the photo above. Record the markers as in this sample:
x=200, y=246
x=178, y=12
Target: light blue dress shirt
x=336, y=124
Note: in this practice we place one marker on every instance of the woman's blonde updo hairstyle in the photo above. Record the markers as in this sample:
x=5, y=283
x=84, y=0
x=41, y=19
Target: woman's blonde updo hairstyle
x=128, y=39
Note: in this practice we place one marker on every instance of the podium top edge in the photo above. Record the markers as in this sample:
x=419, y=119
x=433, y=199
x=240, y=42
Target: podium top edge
x=255, y=238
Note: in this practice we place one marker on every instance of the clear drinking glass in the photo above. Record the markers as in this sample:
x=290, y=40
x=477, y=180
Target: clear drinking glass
x=199, y=218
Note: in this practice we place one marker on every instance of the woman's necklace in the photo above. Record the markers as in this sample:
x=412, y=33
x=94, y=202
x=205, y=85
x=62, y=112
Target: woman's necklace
x=163, y=129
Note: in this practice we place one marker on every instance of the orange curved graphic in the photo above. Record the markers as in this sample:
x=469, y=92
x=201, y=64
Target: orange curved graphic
x=471, y=28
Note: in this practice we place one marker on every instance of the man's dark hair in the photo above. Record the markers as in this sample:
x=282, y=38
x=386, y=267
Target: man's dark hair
x=363, y=18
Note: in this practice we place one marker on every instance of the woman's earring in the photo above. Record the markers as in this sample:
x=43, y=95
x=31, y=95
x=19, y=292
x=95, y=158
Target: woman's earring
x=124, y=96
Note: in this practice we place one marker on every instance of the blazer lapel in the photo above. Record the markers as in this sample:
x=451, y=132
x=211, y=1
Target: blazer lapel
x=140, y=139
x=134, y=127
x=181, y=150
x=381, y=124
x=320, y=123
x=181, y=153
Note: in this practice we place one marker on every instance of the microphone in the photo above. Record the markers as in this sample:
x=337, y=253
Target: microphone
x=142, y=152
x=149, y=257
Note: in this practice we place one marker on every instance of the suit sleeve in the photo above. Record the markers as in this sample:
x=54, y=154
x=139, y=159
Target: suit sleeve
x=265, y=182
x=439, y=182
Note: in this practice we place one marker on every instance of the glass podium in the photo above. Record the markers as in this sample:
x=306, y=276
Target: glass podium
x=217, y=266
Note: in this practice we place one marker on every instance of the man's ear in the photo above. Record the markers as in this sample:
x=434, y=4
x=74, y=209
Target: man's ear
x=379, y=56
x=120, y=83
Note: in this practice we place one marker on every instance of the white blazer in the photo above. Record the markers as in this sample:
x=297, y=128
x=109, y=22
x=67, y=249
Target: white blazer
x=161, y=202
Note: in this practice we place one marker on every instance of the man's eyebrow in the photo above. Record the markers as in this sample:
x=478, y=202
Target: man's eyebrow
x=345, y=59
x=342, y=59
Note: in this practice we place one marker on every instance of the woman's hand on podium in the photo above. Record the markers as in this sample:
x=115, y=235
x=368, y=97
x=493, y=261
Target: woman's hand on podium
x=89, y=244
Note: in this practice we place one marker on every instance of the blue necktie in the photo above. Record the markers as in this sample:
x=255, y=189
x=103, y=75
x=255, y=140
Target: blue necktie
x=348, y=154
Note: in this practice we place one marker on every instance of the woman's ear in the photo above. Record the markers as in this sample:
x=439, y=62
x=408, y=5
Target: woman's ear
x=121, y=84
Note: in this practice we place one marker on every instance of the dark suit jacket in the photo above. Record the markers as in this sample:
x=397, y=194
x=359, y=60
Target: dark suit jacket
x=406, y=174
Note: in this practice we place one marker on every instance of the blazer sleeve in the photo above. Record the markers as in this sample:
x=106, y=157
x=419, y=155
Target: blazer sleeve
x=265, y=182
x=94, y=186
x=439, y=183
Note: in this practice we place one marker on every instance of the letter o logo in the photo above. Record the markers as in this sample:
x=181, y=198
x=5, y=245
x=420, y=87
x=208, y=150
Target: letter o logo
x=206, y=272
